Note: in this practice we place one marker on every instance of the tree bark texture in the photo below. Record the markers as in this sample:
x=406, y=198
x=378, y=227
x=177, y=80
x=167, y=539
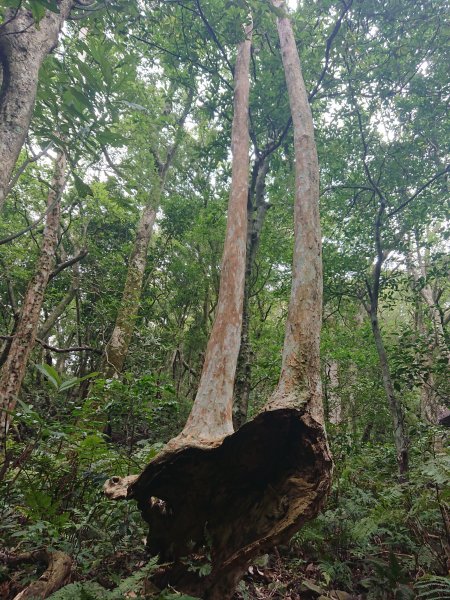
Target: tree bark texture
x=257, y=209
x=395, y=407
x=232, y=496
x=23, y=47
x=210, y=419
x=13, y=370
x=117, y=348
x=300, y=384
x=57, y=574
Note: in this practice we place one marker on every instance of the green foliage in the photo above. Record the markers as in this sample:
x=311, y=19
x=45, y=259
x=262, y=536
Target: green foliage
x=60, y=384
x=433, y=588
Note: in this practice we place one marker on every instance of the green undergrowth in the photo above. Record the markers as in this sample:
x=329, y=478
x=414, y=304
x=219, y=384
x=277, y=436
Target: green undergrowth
x=376, y=537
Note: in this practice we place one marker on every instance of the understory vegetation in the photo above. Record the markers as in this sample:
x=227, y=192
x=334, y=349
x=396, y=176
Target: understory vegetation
x=126, y=162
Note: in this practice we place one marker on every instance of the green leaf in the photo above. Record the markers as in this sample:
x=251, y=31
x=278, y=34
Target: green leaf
x=37, y=10
x=89, y=376
x=51, y=374
x=83, y=189
x=69, y=383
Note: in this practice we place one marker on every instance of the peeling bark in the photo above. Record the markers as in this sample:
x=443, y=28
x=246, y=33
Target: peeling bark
x=229, y=497
x=23, y=47
x=210, y=419
x=13, y=370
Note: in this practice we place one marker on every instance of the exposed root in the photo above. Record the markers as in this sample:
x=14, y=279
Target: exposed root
x=59, y=566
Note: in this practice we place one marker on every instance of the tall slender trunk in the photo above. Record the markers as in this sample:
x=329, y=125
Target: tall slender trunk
x=431, y=408
x=117, y=348
x=395, y=407
x=334, y=403
x=13, y=371
x=118, y=345
x=242, y=493
x=300, y=382
x=211, y=415
x=257, y=209
x=23, y=47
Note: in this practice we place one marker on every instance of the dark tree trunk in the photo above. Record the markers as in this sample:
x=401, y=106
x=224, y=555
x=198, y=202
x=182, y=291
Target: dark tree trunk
x=257, y=208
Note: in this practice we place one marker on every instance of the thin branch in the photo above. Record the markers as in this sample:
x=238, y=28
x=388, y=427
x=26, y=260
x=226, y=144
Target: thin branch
x=419, y=191
x=67, y=263
x=34, y=224
x=214, y=36
x=328, y=49
x=58, y=350
x=24, y=165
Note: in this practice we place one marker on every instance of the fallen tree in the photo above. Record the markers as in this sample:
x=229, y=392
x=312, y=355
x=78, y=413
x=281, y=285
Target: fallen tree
x=215, y=499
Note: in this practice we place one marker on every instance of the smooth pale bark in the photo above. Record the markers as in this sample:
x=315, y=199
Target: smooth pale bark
x=257, y=209
x=117, y=348
x=210, y=419
x=300, y=384
x=23, y=47
x=13, y=370
x=233, y=496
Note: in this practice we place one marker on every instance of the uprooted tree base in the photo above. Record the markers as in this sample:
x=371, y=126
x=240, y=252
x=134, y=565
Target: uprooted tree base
x=219, y=507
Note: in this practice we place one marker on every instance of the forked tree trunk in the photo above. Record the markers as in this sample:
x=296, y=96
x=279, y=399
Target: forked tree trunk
x=23, y=47
x=13, y=370
x=227, y=498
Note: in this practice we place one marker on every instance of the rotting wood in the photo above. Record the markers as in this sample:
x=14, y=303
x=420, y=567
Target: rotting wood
x=230, y=497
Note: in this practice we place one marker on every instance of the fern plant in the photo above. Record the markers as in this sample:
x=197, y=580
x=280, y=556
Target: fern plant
x=433, y=588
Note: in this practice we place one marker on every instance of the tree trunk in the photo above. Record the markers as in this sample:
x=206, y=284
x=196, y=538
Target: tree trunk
x=257, y=209
x=395, y=407
x=60, y=308
x=13, y=371
x=227, y=498
x=334, y=403
x=117, y=348
x=23, y=47
x=210, y=419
